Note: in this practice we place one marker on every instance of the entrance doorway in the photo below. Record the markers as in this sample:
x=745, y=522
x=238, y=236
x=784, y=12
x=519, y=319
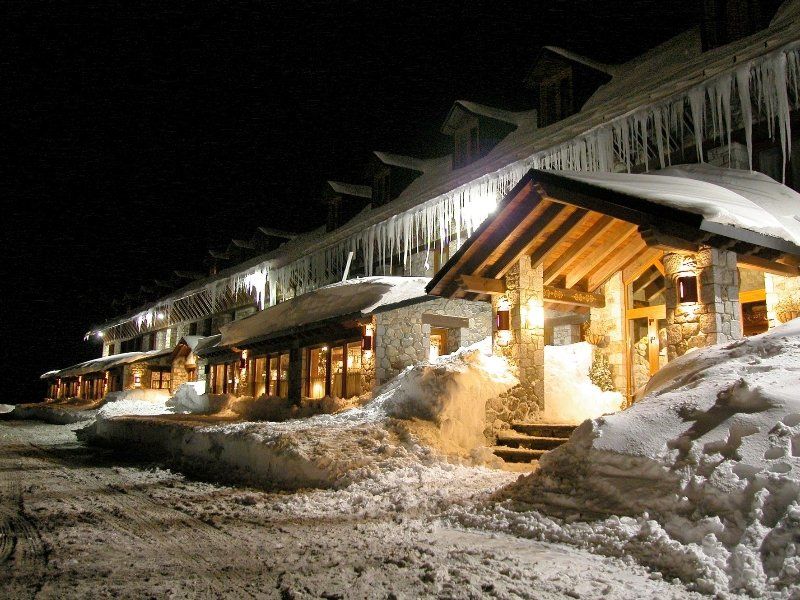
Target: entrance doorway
x=646, y=317
x=438, y=343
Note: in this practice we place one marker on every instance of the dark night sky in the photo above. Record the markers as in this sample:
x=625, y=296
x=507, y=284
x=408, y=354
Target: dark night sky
x=143, y=134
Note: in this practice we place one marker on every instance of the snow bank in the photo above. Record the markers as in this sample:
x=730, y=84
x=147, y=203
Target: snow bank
x=134, y=402
x=58, y=412
x=572, y=395
x=703, y=473
x=430, y=410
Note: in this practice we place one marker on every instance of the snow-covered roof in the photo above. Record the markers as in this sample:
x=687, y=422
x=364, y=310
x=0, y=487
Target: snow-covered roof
x=744, y=199
x=515, y=118
x=104, y=363
x=665, y=72
x=360, y=297
x=351, y=189
x=656, y=65
x=589, y=62
x=423, y=165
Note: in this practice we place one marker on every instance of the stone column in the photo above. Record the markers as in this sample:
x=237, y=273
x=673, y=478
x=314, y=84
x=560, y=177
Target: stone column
x=524, y=287
x=715, y=317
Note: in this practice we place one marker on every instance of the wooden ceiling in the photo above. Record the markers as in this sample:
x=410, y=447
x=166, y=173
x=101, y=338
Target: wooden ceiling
x=582, y=235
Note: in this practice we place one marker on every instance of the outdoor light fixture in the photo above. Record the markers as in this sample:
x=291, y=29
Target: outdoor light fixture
x=367, y=338
x=160, y=315
x=137, y=380
x=99, y=334
x=503, y=321
x=243, y=360
x=503, y=317
x=687, y=289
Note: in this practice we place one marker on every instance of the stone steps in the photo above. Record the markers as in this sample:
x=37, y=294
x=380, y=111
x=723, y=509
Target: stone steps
x=512, y=439
x=517, y=455
x=528, y=442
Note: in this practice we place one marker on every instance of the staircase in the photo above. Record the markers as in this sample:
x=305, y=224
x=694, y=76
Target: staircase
x=528, y=442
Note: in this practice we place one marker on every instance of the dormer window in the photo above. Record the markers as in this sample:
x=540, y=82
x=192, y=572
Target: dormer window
x=555, y=99
x=467, y=146
x=381, y=187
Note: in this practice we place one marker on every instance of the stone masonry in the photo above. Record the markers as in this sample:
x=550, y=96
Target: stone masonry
x=613, y=314
x=525, y=292
x=715, y=317
x=401, y=339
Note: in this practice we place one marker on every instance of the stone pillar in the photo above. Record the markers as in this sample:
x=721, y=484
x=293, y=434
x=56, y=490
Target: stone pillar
x=524, y=287
x=715, y=317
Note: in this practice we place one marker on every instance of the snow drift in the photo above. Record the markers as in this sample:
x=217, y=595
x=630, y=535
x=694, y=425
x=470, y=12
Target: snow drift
x=567, y=383
x=430, y=411
x=703, y=473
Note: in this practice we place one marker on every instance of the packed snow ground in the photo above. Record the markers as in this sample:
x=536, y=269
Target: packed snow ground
x=700, y=479
x=89, y=523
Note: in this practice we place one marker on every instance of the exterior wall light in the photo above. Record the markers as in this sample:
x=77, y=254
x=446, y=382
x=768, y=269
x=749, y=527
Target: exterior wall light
x=367, y=338
x=243, y=360
x=502, y=321
x=687, y=289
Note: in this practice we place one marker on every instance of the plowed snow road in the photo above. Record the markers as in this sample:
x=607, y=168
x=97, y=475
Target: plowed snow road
x=78, y=522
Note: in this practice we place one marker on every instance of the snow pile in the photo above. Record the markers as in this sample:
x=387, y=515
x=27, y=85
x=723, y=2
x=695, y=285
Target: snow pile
x=134, y=402
x=430, y=410
x=6, y=408
x=275, y=408
x=57, y=411
x=703, y=474
x=574, y=397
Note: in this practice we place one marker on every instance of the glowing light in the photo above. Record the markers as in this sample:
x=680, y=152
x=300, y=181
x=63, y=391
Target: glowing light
x=160, y=315
x=99, y=334
x=533, y=315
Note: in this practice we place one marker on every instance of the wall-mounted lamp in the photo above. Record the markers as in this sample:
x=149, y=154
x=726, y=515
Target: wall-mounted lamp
x=243, y=360
x=503, y=317
x=367, y=338
x=687, y=289
x=503, y=321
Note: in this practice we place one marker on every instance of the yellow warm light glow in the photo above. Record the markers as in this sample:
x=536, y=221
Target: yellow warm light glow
x=533, y=316
x=318, y=390
x=367, y=354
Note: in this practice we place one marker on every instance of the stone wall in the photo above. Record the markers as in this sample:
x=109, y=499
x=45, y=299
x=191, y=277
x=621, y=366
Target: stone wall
x=778, y=288
x=715, y=318
x=525, y=292
x=613, y=346
x=401, y=339
x=129, y=373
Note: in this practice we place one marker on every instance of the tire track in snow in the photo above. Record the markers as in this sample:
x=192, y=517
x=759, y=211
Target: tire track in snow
x=23, y=555
x=130, y=511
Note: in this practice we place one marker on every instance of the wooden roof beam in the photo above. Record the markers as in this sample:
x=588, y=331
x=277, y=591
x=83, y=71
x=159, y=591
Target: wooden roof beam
x=558, y=295
x=602, y=225
x=548, y=246
x=582, y=269
x=617, y=261
x=469, y=259
x=482, y=285
x=768, y=266
x=522, y=244
x=635, y=270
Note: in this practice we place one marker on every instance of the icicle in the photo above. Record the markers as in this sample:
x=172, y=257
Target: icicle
x=697, y=103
